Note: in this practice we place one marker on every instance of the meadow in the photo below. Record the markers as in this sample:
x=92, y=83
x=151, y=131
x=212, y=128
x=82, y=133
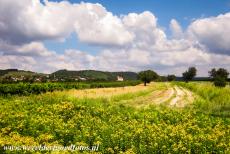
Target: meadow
x=159, y=118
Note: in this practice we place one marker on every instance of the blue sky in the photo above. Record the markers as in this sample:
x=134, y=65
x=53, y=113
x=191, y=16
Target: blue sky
x=184, y=11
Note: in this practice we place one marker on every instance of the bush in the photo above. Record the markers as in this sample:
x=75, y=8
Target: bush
x=220, y=82
x=171, y=77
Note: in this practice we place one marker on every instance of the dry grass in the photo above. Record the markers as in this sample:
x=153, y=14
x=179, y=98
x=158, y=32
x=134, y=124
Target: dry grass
x=156, y=94
x=107, y=92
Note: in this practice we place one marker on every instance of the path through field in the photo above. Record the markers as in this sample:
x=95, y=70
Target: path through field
x=153, y=94
x=182, y=97
x=172, y=96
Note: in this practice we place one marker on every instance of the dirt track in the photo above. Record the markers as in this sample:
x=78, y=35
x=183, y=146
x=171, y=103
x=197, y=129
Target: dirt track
x=172, y=96
x=160, y=94
x=182, y=97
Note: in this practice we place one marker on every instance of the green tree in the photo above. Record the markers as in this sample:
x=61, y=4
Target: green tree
x=147, y=76
x=171, y=77
x=189, y=74
x=219, y=76
x=221, y=72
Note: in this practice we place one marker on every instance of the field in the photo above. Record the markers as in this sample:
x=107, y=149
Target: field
x=159, y=118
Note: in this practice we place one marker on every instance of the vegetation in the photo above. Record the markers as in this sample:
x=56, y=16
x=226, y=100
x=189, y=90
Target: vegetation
x=14, y=71
x=147, y=76
x=119, y=120
x=171, y=77
x=14, y=76
x=37, y=88
x=220, y=82
x=94, y=75
x=221, y=72
x=211, y=100
x=219, y=76
x=189, y=74
x=61, y=119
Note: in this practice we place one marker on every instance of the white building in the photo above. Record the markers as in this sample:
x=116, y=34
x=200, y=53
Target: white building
x=120, y=78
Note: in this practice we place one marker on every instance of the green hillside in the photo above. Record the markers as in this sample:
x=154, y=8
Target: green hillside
x=66, y=75
x=126, y=75
x=94, y=75
x=18, y=73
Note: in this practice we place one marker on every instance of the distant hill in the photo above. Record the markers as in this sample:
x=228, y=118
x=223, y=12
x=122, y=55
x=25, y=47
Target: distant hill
x=3, y=72
x=15, y=74
x=126, y=75
x=69, y=75
x=94, y=75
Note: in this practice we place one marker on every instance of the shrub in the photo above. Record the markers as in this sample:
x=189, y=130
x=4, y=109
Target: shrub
x=220, y=82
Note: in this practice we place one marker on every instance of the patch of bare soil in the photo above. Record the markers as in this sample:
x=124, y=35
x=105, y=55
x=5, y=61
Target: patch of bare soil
x=172, y=96
x=182, y=97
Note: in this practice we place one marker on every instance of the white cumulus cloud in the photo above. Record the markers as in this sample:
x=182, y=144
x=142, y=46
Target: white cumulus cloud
x=213, y=32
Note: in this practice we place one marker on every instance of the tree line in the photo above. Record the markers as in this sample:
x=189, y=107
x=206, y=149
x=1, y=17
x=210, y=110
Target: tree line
x=218, y=76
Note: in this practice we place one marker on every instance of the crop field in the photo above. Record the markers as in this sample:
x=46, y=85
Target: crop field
x=161, y=117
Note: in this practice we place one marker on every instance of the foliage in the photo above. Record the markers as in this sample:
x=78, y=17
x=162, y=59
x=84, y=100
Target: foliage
x=221, y=72
x=220, y=81
x=171, y=77
x=189, y=74
x=94, y=75
x=15, y=71
x=219, y=76
x=58, y=119
x=37, y=88
x=15, y=76
x=147, y=76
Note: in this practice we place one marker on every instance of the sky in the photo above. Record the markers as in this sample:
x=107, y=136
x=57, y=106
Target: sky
x=166, y=36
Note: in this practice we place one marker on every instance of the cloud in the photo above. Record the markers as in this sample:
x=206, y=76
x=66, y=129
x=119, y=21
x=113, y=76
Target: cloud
x=130, y=42
x=95, y=25
x=213, y=32
x=13, y=61
x=145, y=29
x=176, y=29
x=27, y=21
x=31, y=49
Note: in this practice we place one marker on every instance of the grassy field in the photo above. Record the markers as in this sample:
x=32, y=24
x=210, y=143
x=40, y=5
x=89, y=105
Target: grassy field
x=160, y=118
x=211, y=100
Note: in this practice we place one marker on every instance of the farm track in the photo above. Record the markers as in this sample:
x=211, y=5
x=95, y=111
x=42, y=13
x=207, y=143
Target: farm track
x=169, y=95
x=182, y=97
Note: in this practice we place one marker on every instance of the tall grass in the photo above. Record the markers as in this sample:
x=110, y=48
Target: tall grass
x=212, y=100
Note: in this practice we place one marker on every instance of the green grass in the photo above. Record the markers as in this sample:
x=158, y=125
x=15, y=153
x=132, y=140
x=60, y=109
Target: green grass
x=60, y=119
x=211, y=100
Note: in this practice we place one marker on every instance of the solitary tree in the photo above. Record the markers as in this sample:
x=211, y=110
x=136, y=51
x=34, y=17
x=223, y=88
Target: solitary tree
x=221, y=72
x=189, y=74
x=147, y=76
x=219, y=76
x=171, y=77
